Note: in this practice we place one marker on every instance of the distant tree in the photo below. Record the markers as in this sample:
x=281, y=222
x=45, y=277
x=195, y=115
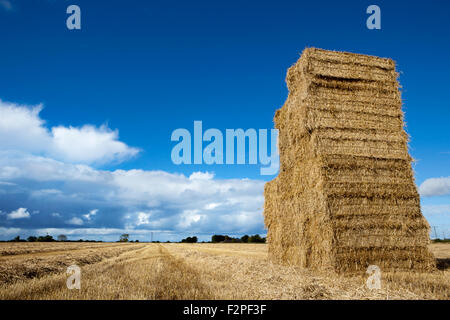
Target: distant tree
x=17, y=239
x=256, y=239
x=190, y=240
x=124, y=237
x=227, y=239
x=137, y=241
x=62, y=237
x=245, y=238
x=47, y=238
x=32, y=239
x=218, y=238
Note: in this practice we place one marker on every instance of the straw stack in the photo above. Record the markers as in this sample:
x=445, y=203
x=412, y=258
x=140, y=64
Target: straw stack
x=345, y=196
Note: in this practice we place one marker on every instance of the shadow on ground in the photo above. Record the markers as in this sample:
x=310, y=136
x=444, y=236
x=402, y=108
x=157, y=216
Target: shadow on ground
x=443, y=264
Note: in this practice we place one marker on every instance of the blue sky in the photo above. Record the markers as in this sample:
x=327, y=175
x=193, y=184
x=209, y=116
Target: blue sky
x=138, y=70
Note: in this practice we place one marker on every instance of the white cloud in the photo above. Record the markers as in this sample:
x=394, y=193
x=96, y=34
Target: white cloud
x=211, y=206
x=2, y=183
x=75, y=221
x=85, y=231
x=435, y=187
x=9, y=231
x=89, y=144
x=166, y=201
x=45, y=192
x=201, y=176
x=19, y=165
x=188, y=218
x=21, y=213
x=22, y=129
x=37, y=163
x=90, y=214
x=143, y=218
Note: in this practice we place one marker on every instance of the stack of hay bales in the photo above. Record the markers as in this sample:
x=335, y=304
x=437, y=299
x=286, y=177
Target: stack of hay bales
x=345, y=196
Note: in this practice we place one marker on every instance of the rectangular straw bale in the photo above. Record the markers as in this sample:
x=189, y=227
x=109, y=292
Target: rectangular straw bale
x=349, y=58
x=386, y=107
x=345, y=196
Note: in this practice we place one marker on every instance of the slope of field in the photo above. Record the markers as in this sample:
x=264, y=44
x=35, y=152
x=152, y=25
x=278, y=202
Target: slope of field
x=193, y=271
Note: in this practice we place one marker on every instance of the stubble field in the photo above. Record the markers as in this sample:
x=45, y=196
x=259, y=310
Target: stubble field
x=193, y=271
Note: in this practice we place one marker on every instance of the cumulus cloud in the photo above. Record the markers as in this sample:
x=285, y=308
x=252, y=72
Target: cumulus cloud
x=51, y=170
x=45, y=192
x=435, y=187
x=188, y=218
x=21, y=213
x=10, y=231
x=106, y=234
x=89, y=215
x=22, y=129
x=89, y=144
x=75, y=221
x=201, y=176
x=211, y=206
x=135, y=199
x=142, y=218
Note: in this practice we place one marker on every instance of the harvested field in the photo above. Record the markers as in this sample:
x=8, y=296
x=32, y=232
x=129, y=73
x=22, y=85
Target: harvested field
x=196, y=271
x=22, y=248
x=32, y=260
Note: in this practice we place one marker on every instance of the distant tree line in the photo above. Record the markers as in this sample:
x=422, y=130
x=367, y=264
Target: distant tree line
x=48, y=238
x=440, y=240
x=125, y=238
x=244, y=239
x=217, y=238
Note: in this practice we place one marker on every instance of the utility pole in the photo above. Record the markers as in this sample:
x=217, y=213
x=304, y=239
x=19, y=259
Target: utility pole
x=435, y=233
